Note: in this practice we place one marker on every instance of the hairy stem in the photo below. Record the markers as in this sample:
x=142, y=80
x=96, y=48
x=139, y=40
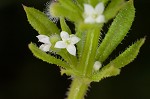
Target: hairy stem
x=78, y=89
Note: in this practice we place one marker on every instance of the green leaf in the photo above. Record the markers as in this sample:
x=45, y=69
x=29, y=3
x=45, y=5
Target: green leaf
x=113, y=9
x=106, y=71
x=70, y=72
x=64, y=26
x=46, y=57
x=69, y=4
x=59, y=10
x=40, y=22
x=117, y=31
x=70, y=59
x=113, y=68
x=128, y=55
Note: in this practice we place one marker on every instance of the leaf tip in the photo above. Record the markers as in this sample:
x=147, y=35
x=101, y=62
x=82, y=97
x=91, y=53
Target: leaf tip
x=30, y=45
x=131, y=1
x=142, y=40
x=24, y=7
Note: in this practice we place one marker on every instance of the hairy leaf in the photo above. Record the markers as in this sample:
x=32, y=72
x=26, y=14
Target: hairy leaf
x=46, y=57
x=128, y=55
x=106, y=71
x=69, y=4
x=40, y=22
x=70, y=59
x=59, y=10
x=113, y=8
x=113, y=68
x=117, y=31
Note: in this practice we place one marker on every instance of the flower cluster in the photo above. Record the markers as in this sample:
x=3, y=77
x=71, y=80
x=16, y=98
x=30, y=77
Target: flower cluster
x=68, y=42
x=90, y=14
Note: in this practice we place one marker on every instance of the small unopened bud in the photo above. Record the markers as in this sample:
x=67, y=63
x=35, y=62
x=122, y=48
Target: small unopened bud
x=97, y=66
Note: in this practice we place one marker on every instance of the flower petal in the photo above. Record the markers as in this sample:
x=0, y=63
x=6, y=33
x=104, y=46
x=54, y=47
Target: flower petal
x=99, y=8
x=71, y=49
x=88, y=9
x=89, y=20
x=100, y=19
x=43, y=39
x=74, y=39
x=45, y=47
x=60, y=44
x=64, y=35
x=97, y=65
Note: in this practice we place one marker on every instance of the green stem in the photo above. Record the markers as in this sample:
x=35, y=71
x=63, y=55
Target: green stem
x=87, y=59
x=78, y=89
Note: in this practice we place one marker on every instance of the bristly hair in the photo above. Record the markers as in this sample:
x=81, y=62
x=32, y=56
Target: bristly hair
x=48, y=13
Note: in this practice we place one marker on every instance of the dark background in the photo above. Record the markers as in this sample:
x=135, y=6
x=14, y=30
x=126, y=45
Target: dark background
x=23, y=76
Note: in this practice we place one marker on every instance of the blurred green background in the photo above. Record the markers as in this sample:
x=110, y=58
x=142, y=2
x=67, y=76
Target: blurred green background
x=23, y=76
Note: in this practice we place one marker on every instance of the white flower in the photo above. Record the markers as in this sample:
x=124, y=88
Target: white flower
x=97, y=66
x=68, y=42
x=94, y=15
x=47, y=44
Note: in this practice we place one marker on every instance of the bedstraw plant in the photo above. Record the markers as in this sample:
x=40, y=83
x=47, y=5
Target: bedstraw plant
x=82, y=51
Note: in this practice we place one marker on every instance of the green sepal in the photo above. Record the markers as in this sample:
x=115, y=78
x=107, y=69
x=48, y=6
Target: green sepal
x=113, y=9
x=128, y=55
x=106, y=71
x=46, y=57
x=40, y=22
x=117, y=31
x=64, y=26
x=53, y=39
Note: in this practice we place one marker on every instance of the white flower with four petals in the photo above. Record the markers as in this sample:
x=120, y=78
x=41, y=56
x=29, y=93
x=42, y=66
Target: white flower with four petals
x=94, y=15
x=68, y=42
x=47, y=44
